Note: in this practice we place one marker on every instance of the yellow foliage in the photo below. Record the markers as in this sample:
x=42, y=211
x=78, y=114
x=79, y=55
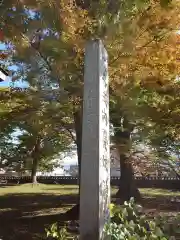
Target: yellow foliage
x=153, y=49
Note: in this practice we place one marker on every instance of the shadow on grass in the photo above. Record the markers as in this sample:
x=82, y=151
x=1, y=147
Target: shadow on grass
x=8, y=185
x=60, y=188
x=160, y=203
x=158, y=199
x=25, y=215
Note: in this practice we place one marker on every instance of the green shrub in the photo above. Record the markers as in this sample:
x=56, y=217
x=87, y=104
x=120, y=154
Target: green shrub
x=129, y=223
x=54, y=232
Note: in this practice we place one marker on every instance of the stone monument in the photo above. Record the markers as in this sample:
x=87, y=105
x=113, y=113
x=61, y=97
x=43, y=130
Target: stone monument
x=95, y=166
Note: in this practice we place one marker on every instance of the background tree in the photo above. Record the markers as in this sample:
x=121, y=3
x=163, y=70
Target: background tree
x=133, y=34
x=39, y=122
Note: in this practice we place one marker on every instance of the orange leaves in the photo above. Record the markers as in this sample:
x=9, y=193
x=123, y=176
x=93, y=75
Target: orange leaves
x=75, y=23
x=155, y=47
x=3, y=56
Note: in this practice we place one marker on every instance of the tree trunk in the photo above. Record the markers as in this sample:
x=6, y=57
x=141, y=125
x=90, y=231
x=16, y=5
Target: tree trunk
x=34, y=171
x=73, y=213
x=127, y=186
x=35, y=157
x=78, y=130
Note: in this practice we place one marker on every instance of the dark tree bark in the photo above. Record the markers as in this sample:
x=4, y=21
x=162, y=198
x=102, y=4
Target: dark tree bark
x=73, y=213
x=127, y=186
x=78, y=130
x=34, y=171
x=35, y=157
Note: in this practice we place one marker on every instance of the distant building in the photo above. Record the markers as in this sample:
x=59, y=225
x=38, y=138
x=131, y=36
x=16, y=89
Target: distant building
x=3, y=74
x=115, y=166
x=2, y=171
x=115, y=163
x=73, y=170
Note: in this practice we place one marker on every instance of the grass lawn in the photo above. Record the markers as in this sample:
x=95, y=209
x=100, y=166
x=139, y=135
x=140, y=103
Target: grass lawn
x=25, y=210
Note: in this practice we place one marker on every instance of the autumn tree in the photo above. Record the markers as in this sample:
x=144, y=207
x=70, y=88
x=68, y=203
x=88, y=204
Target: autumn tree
x=134, y=33
x=40, y=124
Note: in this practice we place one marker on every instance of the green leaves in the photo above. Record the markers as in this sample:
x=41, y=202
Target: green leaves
x=142, y=3
x=165, y=3
x=142, y=63
x=58, y=233
x=128, y=222
x=54, y=232
x=34, y=117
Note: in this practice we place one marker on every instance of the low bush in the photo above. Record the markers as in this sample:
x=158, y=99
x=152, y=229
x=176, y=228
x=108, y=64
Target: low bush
x=129, y=223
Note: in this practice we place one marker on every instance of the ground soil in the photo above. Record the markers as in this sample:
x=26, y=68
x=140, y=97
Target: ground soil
x=25, y=214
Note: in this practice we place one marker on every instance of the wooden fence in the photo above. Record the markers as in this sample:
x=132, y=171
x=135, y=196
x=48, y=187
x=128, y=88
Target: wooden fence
x=150, y=182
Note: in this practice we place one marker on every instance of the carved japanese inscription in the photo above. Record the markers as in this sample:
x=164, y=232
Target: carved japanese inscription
x=95, y=164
